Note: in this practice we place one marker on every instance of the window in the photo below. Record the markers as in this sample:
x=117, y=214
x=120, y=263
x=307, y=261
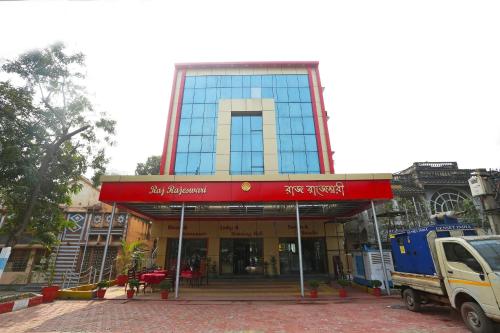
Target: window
x=447, y=200
x=18, y=261
x=247, y=147
x=192, y=251
x=489, y=249
x=296, y=134
x=457, y=253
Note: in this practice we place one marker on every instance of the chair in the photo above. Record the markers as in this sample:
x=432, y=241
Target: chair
x=142, y=283
x=203, y=271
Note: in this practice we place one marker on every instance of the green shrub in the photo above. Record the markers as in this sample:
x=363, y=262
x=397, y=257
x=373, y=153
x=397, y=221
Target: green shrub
x=165, y=285
x=376, y=283
x=313, y=284
x=343, y=283
x=103, y=284
x=133, y=283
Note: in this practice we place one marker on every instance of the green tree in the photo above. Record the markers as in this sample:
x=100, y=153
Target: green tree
x=151, y=167
x=49, y=136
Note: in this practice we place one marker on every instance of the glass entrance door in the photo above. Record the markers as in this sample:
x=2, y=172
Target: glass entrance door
x=241, y=256
x=313, y=255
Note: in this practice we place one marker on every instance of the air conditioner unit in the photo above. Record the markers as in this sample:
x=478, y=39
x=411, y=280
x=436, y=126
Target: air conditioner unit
x=368, y=266
x=478, y=186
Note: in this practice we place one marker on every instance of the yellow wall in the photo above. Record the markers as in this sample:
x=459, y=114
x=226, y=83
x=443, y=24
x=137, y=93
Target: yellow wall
x=270, y=231
x=138, y=229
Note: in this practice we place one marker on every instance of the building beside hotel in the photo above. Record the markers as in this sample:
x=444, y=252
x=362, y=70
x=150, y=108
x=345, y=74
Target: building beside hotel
x=246, y=159
x=80, y=251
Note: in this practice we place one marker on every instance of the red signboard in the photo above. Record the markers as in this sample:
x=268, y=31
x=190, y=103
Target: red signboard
x=270, y=191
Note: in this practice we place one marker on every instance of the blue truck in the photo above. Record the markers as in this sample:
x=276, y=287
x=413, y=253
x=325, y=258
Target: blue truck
x=450, y=263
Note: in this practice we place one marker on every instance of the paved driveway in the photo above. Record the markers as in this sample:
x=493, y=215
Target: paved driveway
x=361, y=315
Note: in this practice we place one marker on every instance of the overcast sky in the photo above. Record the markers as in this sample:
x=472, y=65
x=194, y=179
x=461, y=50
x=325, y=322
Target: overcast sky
x=405, y=81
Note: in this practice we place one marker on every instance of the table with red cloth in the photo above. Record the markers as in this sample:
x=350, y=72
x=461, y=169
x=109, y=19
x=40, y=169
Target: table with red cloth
x=162, y=271
x=188, y=274
x=153, y=278
x=193, y=277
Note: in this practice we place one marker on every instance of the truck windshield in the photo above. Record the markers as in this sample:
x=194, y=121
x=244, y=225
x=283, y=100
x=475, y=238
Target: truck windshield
x=489, y=249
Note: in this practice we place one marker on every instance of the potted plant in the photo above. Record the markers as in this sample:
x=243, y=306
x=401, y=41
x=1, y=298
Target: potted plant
x=376, y=287
x=47, y=269
x=313, y=286
x=101, y=288
x=165, y=286
x=132, y=284
x=124, y=260
x=342, y=290
x=274, y=267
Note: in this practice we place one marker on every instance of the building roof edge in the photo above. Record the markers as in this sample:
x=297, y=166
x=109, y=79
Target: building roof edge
x=248, y=64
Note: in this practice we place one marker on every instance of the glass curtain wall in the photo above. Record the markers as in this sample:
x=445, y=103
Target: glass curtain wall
x=247, y=149
x=297, y=149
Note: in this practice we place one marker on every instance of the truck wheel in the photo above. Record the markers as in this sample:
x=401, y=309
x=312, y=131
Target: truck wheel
x=475, y=319
x=412, y=300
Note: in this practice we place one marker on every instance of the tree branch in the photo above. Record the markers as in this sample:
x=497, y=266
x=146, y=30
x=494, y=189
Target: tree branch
x=71, y=134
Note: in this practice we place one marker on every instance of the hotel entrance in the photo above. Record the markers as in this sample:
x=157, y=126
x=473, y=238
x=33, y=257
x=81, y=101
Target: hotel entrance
x=241, y=256
x=313, y=257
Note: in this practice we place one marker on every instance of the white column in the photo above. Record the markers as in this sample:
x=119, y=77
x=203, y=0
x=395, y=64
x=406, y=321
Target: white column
x=107, y=241
x=387, y=287
x=179, y=250
x=300, y=250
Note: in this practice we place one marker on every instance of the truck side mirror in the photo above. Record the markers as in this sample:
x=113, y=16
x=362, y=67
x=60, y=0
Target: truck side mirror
x=473, y=264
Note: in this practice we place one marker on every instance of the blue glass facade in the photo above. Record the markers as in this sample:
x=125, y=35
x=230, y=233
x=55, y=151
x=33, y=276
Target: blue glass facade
x=296, y=137
x=247, y=148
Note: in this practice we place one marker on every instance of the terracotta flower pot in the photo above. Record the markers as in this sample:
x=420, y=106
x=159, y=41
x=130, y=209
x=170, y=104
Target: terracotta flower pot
x=313, y=293
x=164, y=294
x=130, y=293
x=49, y=294
x=121, y=280
x=101, y=293
x=6, y=307
x=377, y=291
x=342, y=292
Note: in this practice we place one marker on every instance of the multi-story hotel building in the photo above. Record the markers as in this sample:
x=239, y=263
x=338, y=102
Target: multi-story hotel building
x=246, y=159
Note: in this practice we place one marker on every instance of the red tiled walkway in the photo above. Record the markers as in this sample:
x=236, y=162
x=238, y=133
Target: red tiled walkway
x=355, y=315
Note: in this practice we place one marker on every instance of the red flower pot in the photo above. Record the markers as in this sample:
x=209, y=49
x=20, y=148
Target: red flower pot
x=6, y=307
x=313, y=293
x=121, y=280
x=101, y=293
x=342, y=292
x=49, y=294
x=130, y=293
x=164, y=294
x=377, y=291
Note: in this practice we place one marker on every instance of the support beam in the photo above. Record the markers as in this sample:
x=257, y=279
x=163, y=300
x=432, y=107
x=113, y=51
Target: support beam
x=179, y=251
x=107, y=241
x=386, y=278
x=300, y=249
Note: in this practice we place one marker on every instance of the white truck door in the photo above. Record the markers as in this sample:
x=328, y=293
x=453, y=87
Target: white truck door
x=464, y=273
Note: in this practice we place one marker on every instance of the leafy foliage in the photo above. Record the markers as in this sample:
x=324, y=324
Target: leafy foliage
x=130, y=253
x=151, y=167
x=49, y=136
x=165, y=284
x=313, y=284
x=133, y=284
x=103, y=284
x=343, y=283
x=47, y=268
